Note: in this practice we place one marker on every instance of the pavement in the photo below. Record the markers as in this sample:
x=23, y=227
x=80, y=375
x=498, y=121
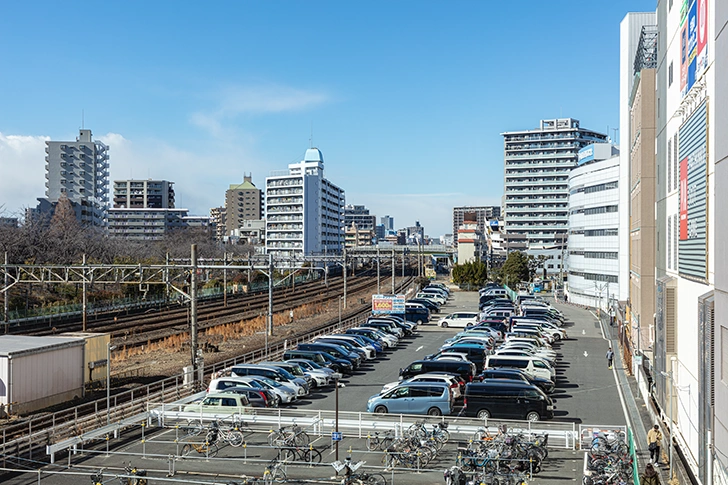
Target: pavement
x=588, y=393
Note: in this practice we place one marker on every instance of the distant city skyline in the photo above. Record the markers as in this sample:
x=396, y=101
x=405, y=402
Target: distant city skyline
x=410, y=119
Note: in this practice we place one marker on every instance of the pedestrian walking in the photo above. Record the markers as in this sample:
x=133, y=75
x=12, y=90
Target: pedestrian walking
x=610, y=357
x=650, y=476
x=654, y=439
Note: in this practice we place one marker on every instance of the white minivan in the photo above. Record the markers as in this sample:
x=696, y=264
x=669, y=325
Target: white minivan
x=532, y=366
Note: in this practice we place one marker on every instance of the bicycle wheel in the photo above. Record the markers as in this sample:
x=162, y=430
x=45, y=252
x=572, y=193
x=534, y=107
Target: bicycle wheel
x=235, y=438
x=193, y=428
x=312, y=456
x=212, y=450
x=386, y=442
x=373, y=443
x=374, y=479
x=287, y=454
x=443, y=435
x=279, y=475
x=301, y=439
x=186, y=450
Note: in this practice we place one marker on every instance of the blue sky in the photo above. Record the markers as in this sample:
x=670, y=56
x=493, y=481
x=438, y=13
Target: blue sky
x=405, y=99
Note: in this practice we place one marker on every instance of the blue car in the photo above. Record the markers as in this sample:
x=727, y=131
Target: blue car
x=432, y=398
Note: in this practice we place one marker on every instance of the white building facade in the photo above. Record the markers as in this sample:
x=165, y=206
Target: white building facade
x=593, y=245
x=304, y=211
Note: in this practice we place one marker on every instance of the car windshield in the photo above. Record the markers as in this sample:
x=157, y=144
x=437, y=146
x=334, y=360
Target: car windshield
x=296, y=371
x=313, y=365
x=269, y=382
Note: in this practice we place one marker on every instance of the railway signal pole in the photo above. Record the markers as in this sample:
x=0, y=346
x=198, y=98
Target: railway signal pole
x=193, y=310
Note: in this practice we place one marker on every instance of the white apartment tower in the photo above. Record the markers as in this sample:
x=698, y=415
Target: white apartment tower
x=304, y=211
x=536, y=198
x=79, y=170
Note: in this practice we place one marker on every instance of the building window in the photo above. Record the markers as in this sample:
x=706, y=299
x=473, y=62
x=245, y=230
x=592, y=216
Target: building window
x=669, y=165
x=669, y=75
x=675, y=171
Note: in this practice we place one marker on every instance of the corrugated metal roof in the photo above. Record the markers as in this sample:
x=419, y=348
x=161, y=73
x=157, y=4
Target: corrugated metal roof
x=15, y=345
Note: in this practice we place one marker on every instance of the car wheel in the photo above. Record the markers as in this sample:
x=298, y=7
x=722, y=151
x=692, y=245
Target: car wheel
x=533, y=416
x=483, y=414
x=443, y=324
x=419, y=322
x=380, y=409
x=434, y=411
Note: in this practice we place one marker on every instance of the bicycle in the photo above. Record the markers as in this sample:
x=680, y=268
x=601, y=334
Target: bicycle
x=133, y=476
x=273, y=472
x=226, y=433
x=98, y=477
x=307, y=454
x=351, y=478
x=207, y=448
x=288, y=436
x=377, y=442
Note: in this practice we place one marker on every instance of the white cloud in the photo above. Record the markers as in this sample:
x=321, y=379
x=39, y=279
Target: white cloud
x=235, y=101
x=22, y=169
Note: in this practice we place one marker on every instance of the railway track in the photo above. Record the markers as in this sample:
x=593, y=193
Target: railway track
x=27, y=437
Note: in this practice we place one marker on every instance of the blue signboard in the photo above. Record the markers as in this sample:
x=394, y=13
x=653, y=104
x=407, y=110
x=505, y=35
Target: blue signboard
x=335, y=436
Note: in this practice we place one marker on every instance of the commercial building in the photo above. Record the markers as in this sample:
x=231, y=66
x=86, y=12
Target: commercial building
x=678, y=144
x=79, y=171
x=388, y=223
x=482, y=214
x=537, y=167
x=593, y=244
x=305, y=211
x=243, y=202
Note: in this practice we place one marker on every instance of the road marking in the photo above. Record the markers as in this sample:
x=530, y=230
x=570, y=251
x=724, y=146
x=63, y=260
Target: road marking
x=419, y=348
x=616, y=381
x=583, y=332
x=586, y=354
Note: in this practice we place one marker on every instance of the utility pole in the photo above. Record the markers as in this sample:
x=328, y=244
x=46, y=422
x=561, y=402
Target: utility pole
x=5, y=293
x=393, y=271
x=193, y=310
x=224, y=280
x=269, y=325
x=84, y=302
x=379, y=286
x=344, y=266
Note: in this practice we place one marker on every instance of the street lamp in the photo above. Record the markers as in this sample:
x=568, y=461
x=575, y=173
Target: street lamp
x=670, y=375
x=109, y=348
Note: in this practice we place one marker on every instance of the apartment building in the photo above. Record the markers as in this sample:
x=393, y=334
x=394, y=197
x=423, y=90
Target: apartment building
x=536, y=198
x=243, y=202
x=305, y=211
x=79, y=171
x=483, y=214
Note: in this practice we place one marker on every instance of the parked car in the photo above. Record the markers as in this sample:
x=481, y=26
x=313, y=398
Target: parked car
x=464, y=369
x=503, y=399
x=258, y=398
x=283, y=393
x=546, y=385
x=459, y=319
x=434, y=399
x=221, y=405
x=456, y=383
x=322, y=358
x=271, y=372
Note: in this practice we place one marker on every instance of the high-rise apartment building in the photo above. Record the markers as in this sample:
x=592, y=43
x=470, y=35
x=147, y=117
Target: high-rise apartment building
x=593, y=245
x=79, y=171
x=217, y=220
x=537, y=167
x=482, y=216
x=143, y=194
x=304, y=211
x=243, y=202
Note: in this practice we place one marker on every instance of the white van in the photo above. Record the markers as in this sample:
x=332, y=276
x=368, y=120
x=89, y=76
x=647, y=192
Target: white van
x=438, y=299
x=532, y=366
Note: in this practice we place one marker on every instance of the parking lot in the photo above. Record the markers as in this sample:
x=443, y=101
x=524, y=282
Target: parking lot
x=585, y=394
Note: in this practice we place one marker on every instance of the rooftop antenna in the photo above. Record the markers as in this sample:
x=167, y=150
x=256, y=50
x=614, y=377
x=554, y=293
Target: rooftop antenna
x=82, y=119
x=310, y=140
